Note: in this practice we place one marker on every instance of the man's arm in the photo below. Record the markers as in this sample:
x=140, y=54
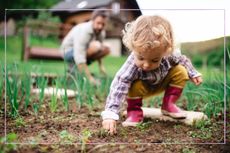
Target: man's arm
x=83, y=68
x=101, y=67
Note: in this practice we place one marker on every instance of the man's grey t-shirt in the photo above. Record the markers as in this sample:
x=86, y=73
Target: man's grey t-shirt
x=78, y=40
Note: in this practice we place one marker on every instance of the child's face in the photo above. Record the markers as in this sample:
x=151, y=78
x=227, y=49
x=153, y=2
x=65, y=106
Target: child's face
x=148, y=60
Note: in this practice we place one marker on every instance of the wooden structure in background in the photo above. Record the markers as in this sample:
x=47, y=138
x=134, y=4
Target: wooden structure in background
x=73, y=12
x=38, y=52
x=76, y=12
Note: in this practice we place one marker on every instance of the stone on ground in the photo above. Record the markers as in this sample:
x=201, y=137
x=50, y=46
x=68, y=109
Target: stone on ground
x=59, y=92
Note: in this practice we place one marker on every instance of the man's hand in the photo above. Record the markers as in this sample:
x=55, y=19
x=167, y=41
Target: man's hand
x=102, y=70
x=94, y=81
x=101, y=67
x=197, y=80
x=110, y=126
x=84, y=68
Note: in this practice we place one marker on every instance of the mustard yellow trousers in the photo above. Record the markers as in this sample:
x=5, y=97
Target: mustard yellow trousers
x=176, y=77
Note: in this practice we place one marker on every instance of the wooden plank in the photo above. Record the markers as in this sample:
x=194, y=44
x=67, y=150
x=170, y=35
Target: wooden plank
x=59, y=92
x=155, y=113
x=44, y=29
x=46, y=75
x=45, y=53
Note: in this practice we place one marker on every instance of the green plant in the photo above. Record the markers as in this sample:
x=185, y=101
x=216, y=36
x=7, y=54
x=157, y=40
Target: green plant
x=12, y=90
x=188, y=150
x=66, y=137
x=102, y=90
x=102, y=133
x=177, y=126
x=53, y=102
x=88, y=92
x=65, y=100
x=203, y=133
x=35, y=108
x=72, y=79
x=26, y=88
x=84, y=139
x=7, y=143
x=2, y=77
x=64, y=97
x=143, y=126
x=41, y=83
x=202, y=123
x=81, y=80
x=19, y=122
x=209, y=96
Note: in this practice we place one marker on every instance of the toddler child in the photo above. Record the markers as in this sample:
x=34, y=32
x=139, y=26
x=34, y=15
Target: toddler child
x=150, y=69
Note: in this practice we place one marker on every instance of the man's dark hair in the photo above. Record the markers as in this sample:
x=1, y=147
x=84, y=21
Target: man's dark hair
x=99, y=12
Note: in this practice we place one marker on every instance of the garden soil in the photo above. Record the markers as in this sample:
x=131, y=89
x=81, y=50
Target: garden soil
x=79, y=130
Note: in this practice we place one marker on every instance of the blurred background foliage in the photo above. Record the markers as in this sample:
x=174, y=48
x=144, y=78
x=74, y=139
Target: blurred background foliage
x=27, y=4
x=213, y=58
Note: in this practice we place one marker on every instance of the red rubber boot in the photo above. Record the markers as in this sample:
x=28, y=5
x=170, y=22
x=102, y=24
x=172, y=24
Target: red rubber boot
x=134, y=112
x=169, y=108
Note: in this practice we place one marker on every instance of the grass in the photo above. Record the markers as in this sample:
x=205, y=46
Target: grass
x=26, y=85
x=12, y=91
x=7, y=144
x=53, y=103
x=209, y=97
x=14, y=54
x=66, y=137
x=1, y=81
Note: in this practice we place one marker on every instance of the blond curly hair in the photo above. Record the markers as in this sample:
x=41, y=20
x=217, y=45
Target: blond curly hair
x=148, y=32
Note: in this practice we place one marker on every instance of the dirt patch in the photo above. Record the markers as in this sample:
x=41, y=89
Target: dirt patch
x=79, y=130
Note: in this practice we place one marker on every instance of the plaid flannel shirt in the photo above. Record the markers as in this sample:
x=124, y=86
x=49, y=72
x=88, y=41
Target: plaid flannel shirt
x=129, y=72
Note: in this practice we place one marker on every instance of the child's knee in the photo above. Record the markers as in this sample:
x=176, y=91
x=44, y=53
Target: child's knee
x=137, y=89
x=179, y=76
x=182, y=72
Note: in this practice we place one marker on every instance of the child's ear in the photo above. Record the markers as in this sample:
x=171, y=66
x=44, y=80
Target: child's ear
x=168, y=51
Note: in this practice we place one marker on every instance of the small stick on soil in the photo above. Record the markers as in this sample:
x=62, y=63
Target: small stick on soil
x=96, y=147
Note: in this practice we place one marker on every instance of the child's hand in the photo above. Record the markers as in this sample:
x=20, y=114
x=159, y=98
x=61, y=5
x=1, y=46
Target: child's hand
x=197, y=80
x=110, y=126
